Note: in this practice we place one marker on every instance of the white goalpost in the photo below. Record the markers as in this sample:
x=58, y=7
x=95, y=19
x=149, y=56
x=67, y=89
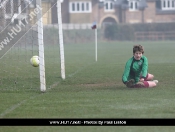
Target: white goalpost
x=96, y=44
x=41, y=45
x=61, y=39
x=41, y=49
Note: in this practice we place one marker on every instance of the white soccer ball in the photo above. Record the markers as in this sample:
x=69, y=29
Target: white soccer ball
x=34, y=61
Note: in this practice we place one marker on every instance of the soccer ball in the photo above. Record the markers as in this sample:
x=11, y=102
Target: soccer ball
x=34, y=61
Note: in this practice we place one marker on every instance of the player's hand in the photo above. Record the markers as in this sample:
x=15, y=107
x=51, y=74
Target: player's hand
x=141, y=79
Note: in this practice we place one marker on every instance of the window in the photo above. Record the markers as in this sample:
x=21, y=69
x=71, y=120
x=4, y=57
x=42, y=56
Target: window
x=173, y=2
x=73, y=7
x=106, y=6
x=168, y=4
x=133, y=5
x=164, y=4
x=80, y=7
x=109, y=6
x=87, y=6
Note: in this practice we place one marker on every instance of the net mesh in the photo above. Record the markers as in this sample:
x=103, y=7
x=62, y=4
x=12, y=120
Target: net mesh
x=19, y=42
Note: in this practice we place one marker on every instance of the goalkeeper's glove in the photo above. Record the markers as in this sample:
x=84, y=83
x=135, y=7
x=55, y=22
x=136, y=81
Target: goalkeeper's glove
x=130, y=83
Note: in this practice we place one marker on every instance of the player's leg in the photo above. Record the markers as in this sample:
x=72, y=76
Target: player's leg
x=149, y=77
x=152, y=83
x=145, y=84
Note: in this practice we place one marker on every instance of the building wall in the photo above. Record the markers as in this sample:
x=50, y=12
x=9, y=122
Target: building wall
x=136, y=16
x=65, y=11
x=46, y=14
x=99, y=14
x=133, y=16
x=33, y=18
x=150, y=15
x=46, y=10
x=165, y=18
x=80, y=17
x=150, y=12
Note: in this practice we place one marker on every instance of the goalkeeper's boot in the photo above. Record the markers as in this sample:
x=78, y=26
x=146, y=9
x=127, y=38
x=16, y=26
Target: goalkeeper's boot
x=156, y=81
x=130, y=83
x=139, y=84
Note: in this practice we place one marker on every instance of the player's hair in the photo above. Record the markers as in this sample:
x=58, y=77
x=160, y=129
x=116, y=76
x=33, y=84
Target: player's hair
x=138, y=48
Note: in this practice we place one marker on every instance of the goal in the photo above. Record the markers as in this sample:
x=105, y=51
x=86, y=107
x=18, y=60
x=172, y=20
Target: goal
x=23, y=36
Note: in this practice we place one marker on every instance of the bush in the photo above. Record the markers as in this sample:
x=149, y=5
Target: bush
x=111, y=32
x=156, y=27
x=126, y=31
x=119, y=32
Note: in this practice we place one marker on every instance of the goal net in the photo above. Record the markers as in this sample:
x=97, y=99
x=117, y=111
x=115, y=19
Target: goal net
x=23, y=36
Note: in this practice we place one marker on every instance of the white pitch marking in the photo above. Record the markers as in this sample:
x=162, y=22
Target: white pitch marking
x=12, y=108
x=15, y=106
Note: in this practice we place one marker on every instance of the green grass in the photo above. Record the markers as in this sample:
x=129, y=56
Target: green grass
x=90, y=129
x=91, y=89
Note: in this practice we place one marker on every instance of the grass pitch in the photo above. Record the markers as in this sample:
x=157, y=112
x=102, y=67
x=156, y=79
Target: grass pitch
x=91, y=89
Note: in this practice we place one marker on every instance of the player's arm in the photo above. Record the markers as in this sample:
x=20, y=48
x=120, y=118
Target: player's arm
x=144, y=68
x=126, y=71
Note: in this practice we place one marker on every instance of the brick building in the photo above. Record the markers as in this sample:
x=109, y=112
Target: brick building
x=101, y=11
x=119, y=11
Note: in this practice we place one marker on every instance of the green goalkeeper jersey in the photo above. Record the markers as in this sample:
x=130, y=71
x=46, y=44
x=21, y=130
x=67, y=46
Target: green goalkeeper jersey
x=134, y=68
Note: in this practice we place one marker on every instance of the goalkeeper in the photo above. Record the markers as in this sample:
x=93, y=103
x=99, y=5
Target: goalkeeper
x=136, y=71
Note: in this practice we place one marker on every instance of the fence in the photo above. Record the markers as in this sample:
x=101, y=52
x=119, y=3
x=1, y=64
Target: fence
x=83, y=32
x=155, y=36
x=71, y=26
